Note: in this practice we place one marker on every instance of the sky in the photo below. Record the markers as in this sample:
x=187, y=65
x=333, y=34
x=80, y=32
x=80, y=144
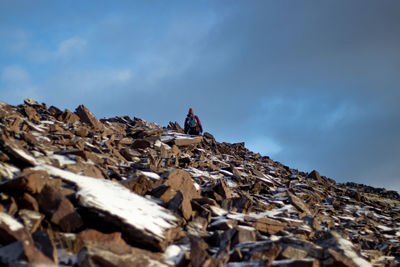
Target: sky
x=311, y=84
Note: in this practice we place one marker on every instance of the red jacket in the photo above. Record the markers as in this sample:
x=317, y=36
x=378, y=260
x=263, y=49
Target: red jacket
x=199, y=128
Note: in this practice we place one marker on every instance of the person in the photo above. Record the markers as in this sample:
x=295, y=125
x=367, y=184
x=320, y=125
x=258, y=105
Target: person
x=193, y=124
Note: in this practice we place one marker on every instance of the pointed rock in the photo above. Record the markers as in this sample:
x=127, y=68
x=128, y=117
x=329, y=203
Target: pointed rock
x=87, y=117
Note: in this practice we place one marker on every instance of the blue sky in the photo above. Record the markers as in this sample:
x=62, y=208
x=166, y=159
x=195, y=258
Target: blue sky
x=312, y=84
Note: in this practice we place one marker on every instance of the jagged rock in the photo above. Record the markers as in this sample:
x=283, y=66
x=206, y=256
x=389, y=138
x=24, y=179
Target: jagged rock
x=46, y=245
x=341, y=251
x=180, y=180
x=87, y=117
x=18, y=155
x=207, y=203
x=141, y=143
x=31, y=219
x=68, y=117
x=91, y=236
x=31, y=181
x=296, y=263
x=59, y=209
x=31, y=113
x=298, y=203
x=116, y=254
x=26, y=201
x=11, y=230
x=137, y=217
x=16, y=253
x=268, y=226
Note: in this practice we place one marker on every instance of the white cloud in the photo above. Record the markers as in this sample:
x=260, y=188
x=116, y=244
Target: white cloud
x=65, y=49
x=15, y=74
x=71, y=46
x=17, y=85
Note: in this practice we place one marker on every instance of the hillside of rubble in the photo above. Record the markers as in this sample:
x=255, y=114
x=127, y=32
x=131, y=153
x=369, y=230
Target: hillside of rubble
x=78, y=191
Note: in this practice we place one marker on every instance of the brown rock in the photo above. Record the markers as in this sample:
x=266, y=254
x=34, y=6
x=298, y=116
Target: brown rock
x=198, y=252
x=68, y=117
x=140, y=143
x=31, y=219
x=90, y=236
x=188, y=141
x=31, y=181
x=11, y=230
x=244, y=234
x=59, y=209
x=268, y=226
x=16, y=153
x=315, y=176
x=26, y=201
x=46, y=245
x=181, y=180
x=117, y=255
x=20, y=252
x=87, y=117
x=298, y=203
x=291, y=252
x=341, y=251
x=297, y=263
x=222, y=189
x=31, y=113
x=82, y=132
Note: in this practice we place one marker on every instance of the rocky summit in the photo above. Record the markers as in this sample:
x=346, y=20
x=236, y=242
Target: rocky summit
x=78, y=191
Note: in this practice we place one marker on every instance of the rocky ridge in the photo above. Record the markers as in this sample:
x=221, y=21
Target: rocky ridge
x=78, y=191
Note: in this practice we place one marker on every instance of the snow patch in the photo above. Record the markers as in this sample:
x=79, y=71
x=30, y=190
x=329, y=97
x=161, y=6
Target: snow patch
x=116, y=199
x=13, y=224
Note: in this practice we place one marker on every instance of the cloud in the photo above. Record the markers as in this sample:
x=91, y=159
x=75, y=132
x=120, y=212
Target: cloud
x=65, y=50
x=70, y=46
x=16, y=85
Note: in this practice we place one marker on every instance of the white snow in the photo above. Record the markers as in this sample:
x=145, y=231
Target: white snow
x=116, y=199
x=25, y=155
x=13, y=224
x=62, y=160
x=348, y=250
x=151, y=175
x=198, y=173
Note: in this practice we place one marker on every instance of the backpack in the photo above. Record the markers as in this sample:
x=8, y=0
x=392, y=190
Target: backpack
x=192, y=122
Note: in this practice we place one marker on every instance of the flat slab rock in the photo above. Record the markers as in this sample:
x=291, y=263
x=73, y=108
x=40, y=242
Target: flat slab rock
x=138, y=217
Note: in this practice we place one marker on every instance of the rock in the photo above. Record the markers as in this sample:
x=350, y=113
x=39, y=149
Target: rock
x=87, y=117
x=137, y=217
x=26, y=201
x=31, y=219
x=90, y=236
x=31, y=113
x=11, y=230
x=187, y=141
x=116, y=255
x=180, y=180
x=244, y=234
x=69, y=117
x=296, y=263
x=31, y=181
x=268, y=226
x=315, y=176
x=341, y=251
x=293, y=253
x=298, y=203
x=141, y=143
x=46, y=245
x=16, y=253
x=222, y=189
x=17, y=154
x=59, y=209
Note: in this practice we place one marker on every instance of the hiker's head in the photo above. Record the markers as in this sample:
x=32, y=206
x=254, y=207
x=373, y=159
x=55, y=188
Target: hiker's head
x=190, y=111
